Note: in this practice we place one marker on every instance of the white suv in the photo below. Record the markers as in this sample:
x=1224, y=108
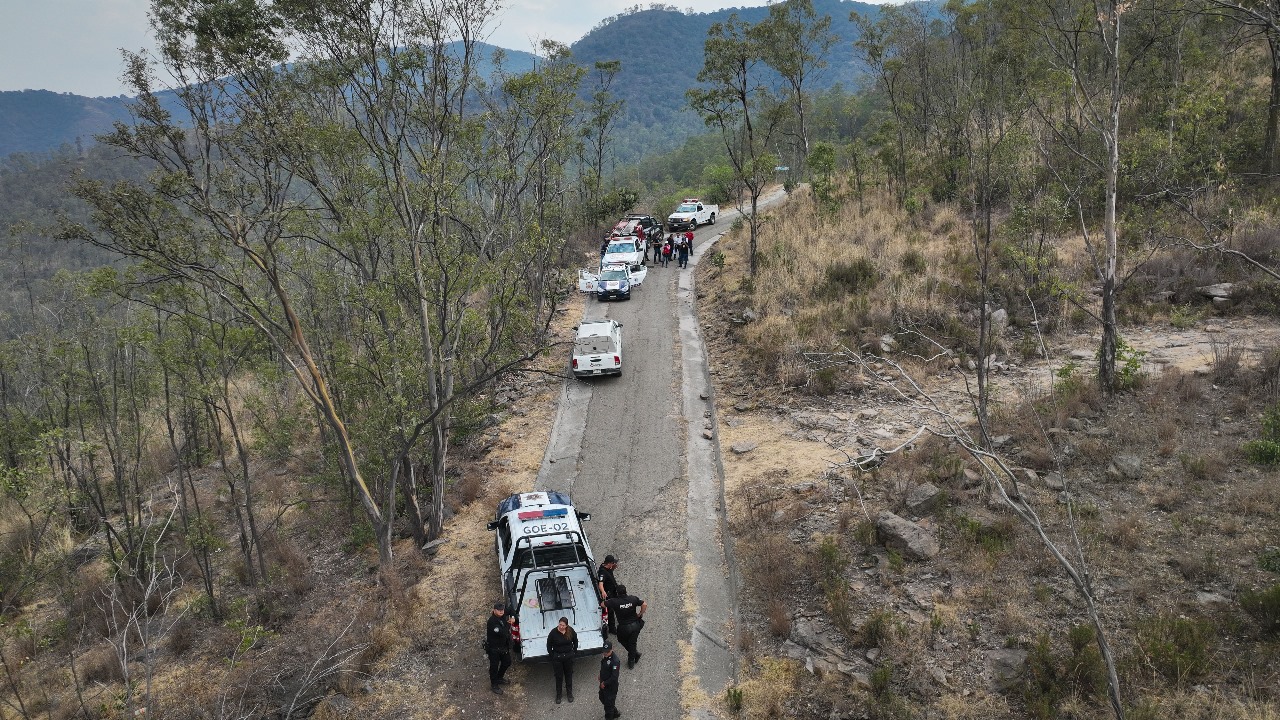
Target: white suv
x=597, y=349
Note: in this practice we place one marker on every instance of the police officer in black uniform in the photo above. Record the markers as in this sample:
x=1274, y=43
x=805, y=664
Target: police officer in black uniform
x=609, y=671
x=608, y=585
x=497, y=643
x=629, y=611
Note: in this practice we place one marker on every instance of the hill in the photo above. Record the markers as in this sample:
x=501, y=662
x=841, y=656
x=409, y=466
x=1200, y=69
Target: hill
x=660, y=50
x=36, y=121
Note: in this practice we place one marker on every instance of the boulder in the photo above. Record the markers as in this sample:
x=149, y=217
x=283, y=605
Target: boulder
x=1217, y=290
x=924, y=498
x=905, y=536
x=1054, y=481
x=1005, y=666
x=1125, y=466
x=334, y=707
x=743, y=448
x=999, y=320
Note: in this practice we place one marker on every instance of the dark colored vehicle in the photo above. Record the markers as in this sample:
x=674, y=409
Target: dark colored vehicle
x=614, y=282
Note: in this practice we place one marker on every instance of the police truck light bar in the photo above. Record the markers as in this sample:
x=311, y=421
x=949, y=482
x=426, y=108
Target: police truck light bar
x=536, y=514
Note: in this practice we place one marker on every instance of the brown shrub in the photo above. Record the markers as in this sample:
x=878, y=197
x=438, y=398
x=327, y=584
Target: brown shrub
x=779, y=618
x=773, y=567
x=1168, y=497
x=99, y=665
x=1228, y=359
x=1125, y=532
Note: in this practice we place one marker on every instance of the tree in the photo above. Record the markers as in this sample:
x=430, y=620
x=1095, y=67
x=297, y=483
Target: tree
x=794, y=41
x=603, y=114
x=378, y=217
x=1082, y=54
x=1263, y=17
x=734, y=102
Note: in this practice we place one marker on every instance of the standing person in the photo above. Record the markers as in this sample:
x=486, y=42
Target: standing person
x=609, y=671
x=666, y=253
x=562, y=647
x=688, y=237
x=630, y=610
x=608, y=586
x=684, y=254
x=497, y=639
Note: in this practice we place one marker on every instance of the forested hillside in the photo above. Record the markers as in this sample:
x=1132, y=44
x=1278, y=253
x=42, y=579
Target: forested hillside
x=999, y=382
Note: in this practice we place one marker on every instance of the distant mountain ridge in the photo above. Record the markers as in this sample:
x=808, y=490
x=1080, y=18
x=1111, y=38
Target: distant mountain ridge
x=660, y=50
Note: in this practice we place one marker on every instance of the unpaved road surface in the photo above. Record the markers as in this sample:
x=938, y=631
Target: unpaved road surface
x=634, y=452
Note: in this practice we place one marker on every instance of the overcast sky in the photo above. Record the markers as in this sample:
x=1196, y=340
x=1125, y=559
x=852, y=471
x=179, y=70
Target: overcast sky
x=74, y=45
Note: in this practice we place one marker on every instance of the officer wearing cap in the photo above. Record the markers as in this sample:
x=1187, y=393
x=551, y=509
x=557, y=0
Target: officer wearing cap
x=608, y=585
x=497, y=643
x=610, y=668
x=629, y=612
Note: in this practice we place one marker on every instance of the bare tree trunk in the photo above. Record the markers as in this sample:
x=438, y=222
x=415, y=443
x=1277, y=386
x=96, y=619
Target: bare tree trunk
x=1110, y=334
x=409, y=488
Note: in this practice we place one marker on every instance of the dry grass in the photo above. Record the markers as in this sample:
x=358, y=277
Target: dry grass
x=769, y=689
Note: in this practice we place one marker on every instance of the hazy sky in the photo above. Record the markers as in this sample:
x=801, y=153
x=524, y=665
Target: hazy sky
x=74, y=45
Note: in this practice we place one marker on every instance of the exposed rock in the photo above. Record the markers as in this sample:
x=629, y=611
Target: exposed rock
x=433, y=547
x=793, y=651
x=1054, y=481
x=1001, y=440
x=1075, y=424
x=904, y=535
x=888, y=343
x=1211, y=598
x=334, y=707
x=939, y=676
x=1082, y=354
x=1000, y=320
x=749, y=315
x=743, y=448
x=1126, y=466
x=861, y=680
x=924, y=498
x=1217, y=290
x=708, y=435
x=734, y=422
x=972, y=478
x=1005, y=666
x=1221, y=303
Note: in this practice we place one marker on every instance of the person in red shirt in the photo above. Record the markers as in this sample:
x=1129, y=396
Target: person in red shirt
x=688, y=237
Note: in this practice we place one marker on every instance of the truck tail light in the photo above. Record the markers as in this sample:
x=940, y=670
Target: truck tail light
x=617, y=360
x=575, y=363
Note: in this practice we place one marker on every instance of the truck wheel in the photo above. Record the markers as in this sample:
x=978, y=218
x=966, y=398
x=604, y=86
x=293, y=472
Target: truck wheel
x=712, y=220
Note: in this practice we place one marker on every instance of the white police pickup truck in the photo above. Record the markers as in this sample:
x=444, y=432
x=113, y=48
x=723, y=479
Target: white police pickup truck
x=548, y=572
x=691, y=213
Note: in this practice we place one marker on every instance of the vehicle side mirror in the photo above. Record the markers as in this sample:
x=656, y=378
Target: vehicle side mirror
x=492, y=525
x=583, y=516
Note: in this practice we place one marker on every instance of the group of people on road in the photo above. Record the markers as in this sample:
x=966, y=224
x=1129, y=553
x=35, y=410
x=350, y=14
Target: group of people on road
x=676, y=246
x=626, y=619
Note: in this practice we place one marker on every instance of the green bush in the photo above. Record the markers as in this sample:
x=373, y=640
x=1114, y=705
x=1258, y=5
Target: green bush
x=913, y=262
x=1085, y=669
x=1270, y=560
x=877, y=628
x=1043, y=684
x=1266, y=449
x=1264, y=606
x=851, y=278
x=1176, y=647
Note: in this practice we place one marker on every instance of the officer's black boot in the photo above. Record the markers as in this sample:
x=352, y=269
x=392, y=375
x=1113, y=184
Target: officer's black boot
x=568, y=687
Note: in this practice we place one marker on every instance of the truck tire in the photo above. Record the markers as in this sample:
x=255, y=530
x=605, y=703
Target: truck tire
x=712, y=220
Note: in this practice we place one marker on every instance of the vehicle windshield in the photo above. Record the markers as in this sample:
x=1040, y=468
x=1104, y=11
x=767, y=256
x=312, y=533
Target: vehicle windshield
x=687, y=208
x=613, y=275
x=628, y=247
x=549, y=555
x=593, y=345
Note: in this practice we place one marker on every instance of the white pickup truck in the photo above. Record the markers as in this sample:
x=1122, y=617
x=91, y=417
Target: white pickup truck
x=692, y=213
x=547, y=572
